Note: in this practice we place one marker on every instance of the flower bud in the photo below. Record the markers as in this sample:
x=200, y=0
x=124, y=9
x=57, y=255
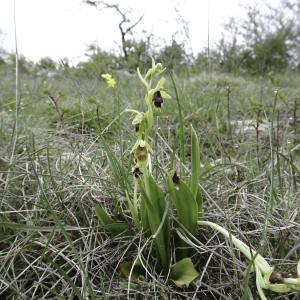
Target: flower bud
x=276, y=277
x=176, y=178
x=137, y=172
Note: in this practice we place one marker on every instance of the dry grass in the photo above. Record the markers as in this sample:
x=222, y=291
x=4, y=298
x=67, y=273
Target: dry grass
x=51, y=244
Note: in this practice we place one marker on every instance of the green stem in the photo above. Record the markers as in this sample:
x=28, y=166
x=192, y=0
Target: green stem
x=259, y=281
x=181, y=124
x=135, y=194
x=149, y=164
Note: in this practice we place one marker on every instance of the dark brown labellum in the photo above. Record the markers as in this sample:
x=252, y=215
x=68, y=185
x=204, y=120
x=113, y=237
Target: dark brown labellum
x=276, y=277
x=137, y=127
x=137, y=172
x=157, y=99
x=176, y=178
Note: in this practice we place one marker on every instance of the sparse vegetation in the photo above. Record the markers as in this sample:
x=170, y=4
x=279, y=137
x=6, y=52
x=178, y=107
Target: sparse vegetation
x=69, y=158
x=111, y=191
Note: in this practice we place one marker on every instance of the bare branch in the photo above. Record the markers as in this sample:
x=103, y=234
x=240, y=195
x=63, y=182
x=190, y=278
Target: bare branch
x=135, y=24
x=124, y=30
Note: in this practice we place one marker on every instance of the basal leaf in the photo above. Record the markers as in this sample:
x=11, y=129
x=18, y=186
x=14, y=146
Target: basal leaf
x=199, y=200
x=107, y=222
x=102, y=215
x=154, y=201
x=183, y=272
x=185, y=204
x=134, y=212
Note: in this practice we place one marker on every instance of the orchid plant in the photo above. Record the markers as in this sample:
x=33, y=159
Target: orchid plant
x=153, y=203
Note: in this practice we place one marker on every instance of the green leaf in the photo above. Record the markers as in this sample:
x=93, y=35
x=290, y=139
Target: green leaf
x=20, y=226
x=137, y=271
x=183, y=272
x=144, y=216
x=119, y=172
x=154, y=202
x=187, y=213
x=134, y=212
x=199, y=200
x=195, y=162
x=185, y=204
x=102, y=215
x=108, y=223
